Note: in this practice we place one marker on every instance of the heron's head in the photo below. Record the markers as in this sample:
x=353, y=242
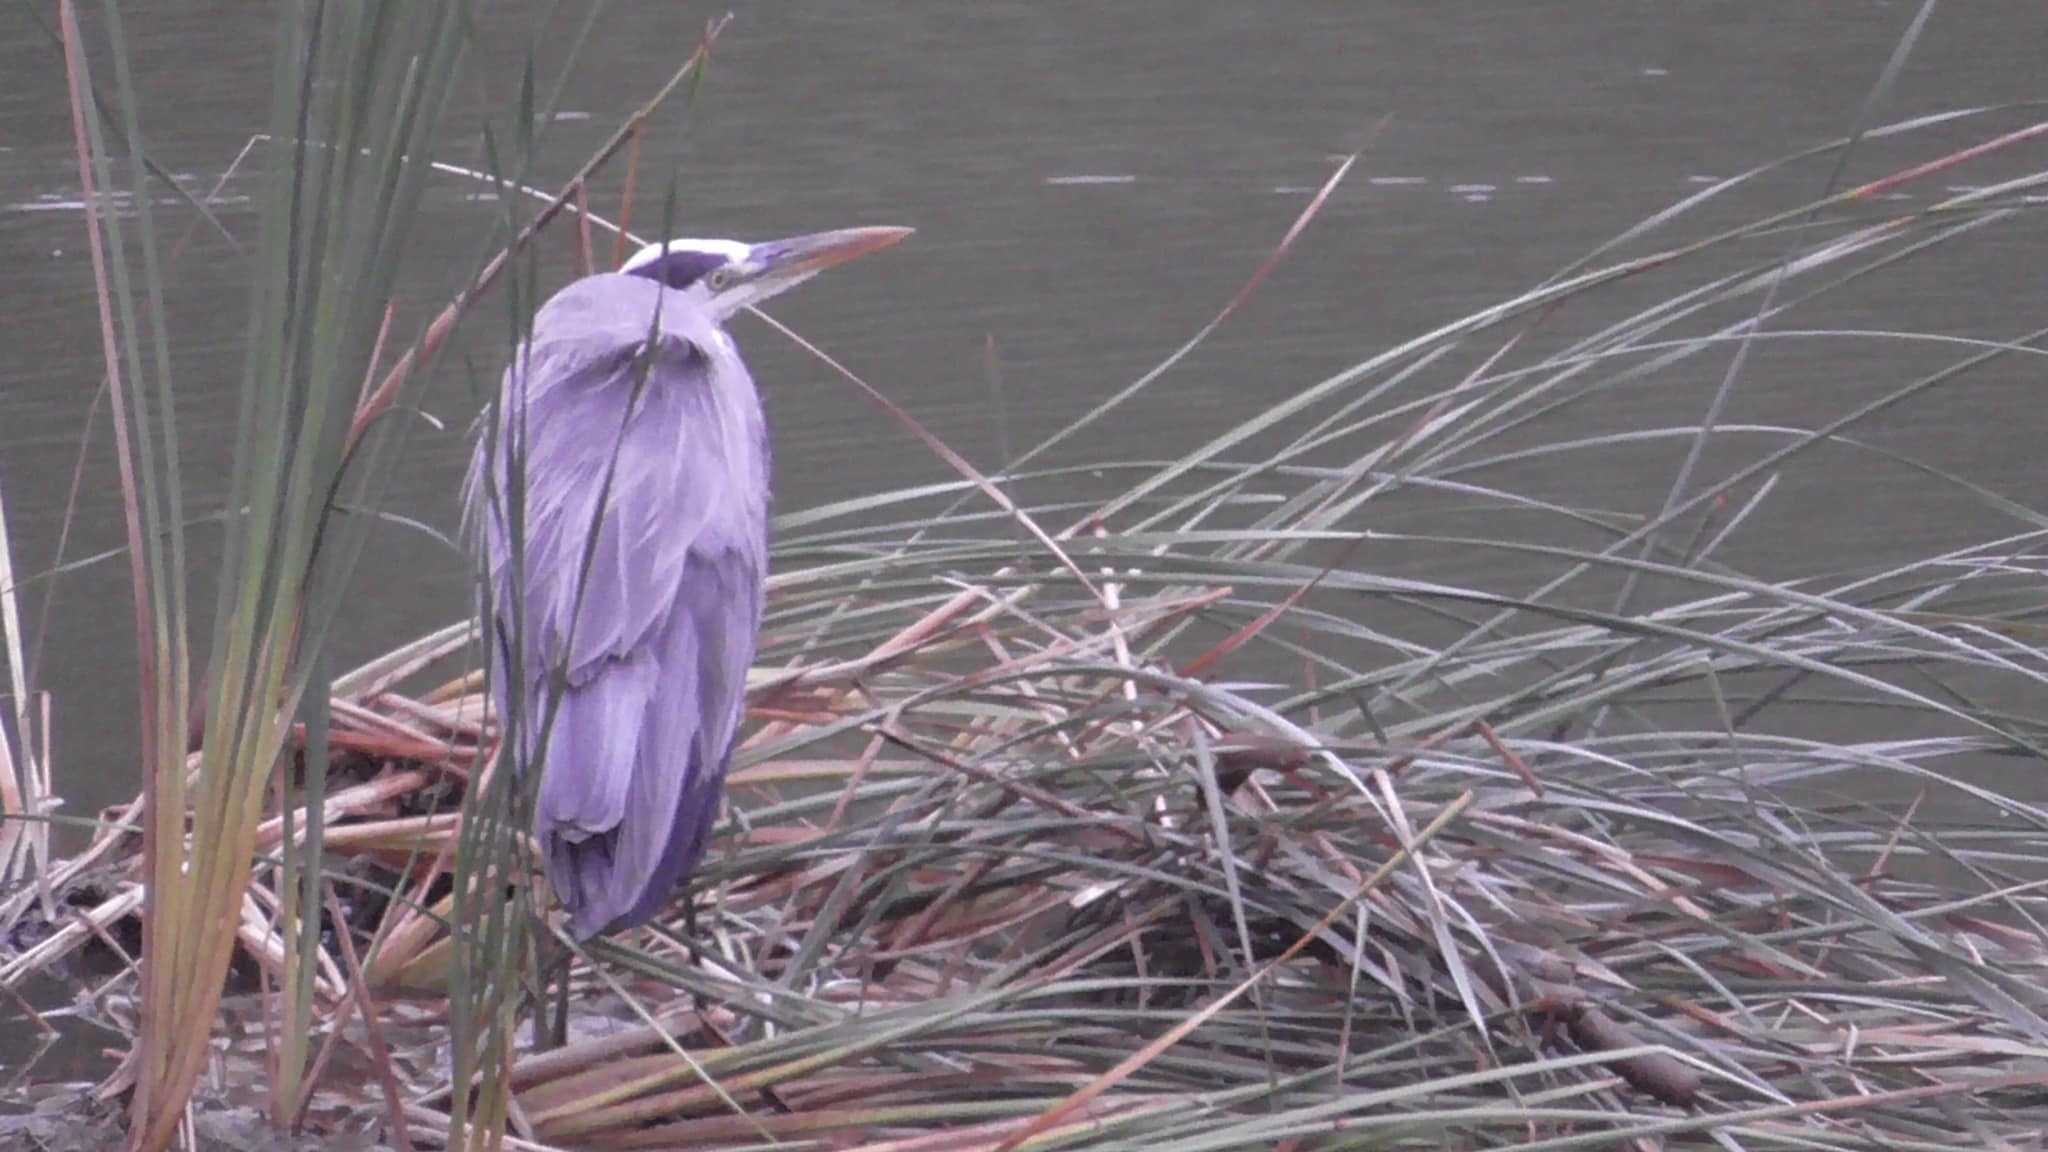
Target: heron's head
x=727, y=275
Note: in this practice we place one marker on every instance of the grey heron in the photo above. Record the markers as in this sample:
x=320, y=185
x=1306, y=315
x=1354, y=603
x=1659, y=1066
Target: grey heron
x=629, y=390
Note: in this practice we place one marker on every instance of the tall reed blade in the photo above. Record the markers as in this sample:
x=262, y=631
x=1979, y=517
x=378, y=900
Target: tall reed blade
x=299, y=892
x=493, y=940
x=24, y=837
x=159, y=642
x=357, y=94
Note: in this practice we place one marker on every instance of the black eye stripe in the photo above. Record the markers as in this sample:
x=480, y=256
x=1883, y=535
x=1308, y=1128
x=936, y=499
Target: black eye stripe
x=680, y=268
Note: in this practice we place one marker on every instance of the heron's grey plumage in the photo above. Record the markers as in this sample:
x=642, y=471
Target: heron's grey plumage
x=639, y=638
x=654, y=658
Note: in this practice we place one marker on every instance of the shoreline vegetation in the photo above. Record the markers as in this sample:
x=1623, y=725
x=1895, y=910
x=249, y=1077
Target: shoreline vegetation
x=1159, y=815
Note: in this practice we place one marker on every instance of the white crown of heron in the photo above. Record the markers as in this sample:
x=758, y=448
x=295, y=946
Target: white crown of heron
x=732, y=250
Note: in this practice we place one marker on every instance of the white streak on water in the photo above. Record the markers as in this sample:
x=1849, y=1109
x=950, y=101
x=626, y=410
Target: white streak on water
x=121, y=202
x=1092, y=178
x=1534, y=180
x=1387, y=180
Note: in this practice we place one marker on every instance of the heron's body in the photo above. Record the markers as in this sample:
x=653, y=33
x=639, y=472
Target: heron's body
x=654, y=659
x=630, y=392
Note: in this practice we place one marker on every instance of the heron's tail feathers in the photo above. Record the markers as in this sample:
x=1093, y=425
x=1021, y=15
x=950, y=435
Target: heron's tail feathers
x=592, y=748
x=597, y=760
x=636, y=766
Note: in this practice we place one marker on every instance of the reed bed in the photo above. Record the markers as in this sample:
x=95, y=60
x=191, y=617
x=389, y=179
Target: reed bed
x=1155, y=803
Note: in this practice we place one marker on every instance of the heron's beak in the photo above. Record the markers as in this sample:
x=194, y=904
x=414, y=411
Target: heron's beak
x=773, y=267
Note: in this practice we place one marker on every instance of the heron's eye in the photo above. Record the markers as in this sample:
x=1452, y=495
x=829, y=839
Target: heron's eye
x=720, y=279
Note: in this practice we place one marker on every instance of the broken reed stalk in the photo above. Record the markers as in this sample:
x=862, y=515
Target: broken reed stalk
x=445, y=321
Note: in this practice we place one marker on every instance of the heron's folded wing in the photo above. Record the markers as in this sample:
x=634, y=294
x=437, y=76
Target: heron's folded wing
x=593, y=414
x=674, y=796
x=661, y=473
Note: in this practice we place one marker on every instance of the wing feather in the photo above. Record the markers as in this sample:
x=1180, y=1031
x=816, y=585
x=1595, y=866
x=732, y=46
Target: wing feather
x=653, y=656
x=698, y=711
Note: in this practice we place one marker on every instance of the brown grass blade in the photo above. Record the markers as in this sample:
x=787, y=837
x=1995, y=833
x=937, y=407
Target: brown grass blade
x=1131, y=1064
